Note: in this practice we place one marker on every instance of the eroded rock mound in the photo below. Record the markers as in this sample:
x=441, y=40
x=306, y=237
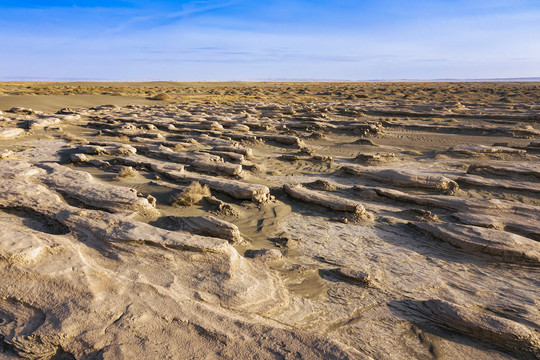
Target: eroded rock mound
x=483, y=240
x=405, y=178
x=81, y=186
x=323, y=199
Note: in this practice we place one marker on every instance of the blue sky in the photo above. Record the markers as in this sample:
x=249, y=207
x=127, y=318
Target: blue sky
x=270, y=39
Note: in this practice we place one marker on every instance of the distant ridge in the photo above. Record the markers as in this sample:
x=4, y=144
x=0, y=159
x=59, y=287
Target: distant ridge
x=489, y=79
x=39, y=79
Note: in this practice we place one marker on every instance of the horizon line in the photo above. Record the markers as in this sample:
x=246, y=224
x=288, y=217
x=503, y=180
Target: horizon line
x=268, y=80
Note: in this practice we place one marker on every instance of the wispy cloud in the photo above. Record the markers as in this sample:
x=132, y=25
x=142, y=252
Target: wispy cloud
x=161, y=18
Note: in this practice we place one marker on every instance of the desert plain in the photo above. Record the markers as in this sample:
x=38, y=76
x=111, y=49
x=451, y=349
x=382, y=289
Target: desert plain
x=270, y=220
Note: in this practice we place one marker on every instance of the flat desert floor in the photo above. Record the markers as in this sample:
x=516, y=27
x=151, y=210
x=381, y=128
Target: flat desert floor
x=269, y=220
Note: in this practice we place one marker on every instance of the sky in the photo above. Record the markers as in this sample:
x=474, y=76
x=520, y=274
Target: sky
x=133, y=40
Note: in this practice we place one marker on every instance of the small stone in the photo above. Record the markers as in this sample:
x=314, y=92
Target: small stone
x=98, y=163
x=323, y=158
x=78, y=158
x=364, y=142
x=4, y=154
x=352, y=275
x=66, y=111
x=21, y=110
x=213, y=200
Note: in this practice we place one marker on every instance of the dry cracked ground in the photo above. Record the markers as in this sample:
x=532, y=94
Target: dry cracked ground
x=271, y=221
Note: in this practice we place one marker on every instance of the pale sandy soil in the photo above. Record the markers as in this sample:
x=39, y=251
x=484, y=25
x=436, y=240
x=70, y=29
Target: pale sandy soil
x=53, y=103
x=375, y=220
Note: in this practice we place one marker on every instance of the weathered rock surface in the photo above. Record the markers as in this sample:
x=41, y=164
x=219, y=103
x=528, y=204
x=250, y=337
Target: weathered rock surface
x=22, y=194
x=282, y=139
x=161, y=167
x=217, y=167
x=21, y=244
x=42, y=122
x=133, y=132
x=327, y=200
x=376, y=159
x=524, y=224
x=505, y=170
x=9, y=133
x=474, y=180
x=492, y=213
x=479, y=239
x=209, y=225
x=405, y=178
x=461, y=204
x=254, y=192
x=120, y=149
x=247, y=152
x=233, y=156
x=200, y=161
x=81, y=186
x=181, y=157
x=475, y=150
x=500, y=332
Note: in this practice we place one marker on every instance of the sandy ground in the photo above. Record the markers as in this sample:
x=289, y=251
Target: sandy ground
x=340, y=220
x=53, y=103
